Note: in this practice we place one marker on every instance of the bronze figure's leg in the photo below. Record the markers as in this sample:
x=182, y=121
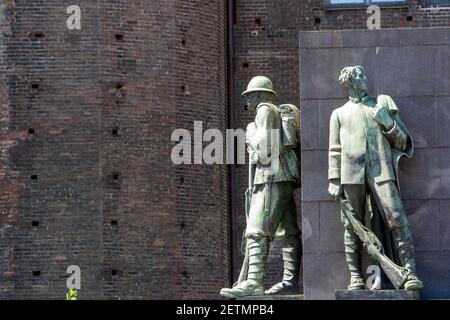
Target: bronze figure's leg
x=258, y=248
x=388, y=198
x=356, y=194
x=289, y=233
x=261, y=226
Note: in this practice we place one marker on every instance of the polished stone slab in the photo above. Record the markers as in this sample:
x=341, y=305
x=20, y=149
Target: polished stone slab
x=407, y=64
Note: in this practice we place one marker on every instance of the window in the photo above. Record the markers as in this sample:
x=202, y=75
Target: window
x=363, y=3
x=440, y=3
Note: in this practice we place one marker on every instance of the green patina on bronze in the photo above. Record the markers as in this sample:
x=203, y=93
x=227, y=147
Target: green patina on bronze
x=367, y=140
x=270, y=206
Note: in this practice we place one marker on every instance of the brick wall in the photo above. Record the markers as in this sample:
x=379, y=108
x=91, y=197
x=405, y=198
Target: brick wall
x=8, y=188
x=136, y=116
x=93, y=184
x=54, y=217
x=202, y=190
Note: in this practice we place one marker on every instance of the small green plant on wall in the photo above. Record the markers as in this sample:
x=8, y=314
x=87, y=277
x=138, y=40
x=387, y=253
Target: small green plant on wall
x=72, y=294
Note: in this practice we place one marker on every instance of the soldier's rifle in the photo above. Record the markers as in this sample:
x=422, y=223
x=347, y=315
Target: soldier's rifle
x=398, y=275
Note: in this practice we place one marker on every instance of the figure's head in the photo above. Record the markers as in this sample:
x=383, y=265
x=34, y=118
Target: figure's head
x=259, y=89
x=353, y=78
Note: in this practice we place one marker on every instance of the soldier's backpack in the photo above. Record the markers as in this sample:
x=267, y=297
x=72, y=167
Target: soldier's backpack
x=290, y=125
x=290, y=122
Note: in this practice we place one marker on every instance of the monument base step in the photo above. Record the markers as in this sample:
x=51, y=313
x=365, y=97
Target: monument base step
x=377, y=295
x=269, y=297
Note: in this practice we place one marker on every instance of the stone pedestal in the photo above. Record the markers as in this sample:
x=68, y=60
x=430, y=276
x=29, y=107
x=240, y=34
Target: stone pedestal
x=377, y=295
x=267, y=297
x=407, y=64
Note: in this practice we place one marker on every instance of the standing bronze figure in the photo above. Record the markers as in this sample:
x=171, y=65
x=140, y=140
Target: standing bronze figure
x=273, y=146
x=367, y=140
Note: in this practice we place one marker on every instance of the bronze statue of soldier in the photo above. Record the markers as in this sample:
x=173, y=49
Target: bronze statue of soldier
x=275, y=173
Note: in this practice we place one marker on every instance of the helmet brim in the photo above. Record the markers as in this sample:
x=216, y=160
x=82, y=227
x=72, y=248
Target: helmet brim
x=246, y=92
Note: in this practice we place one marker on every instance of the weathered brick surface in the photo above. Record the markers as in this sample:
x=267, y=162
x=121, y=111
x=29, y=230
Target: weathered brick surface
x=8, y=189
x=423, y=178
x=139, y=228
x=51, y=87
x=200, y=85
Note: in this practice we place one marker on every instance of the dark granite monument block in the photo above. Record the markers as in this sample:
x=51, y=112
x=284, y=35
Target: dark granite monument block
x=412, y=66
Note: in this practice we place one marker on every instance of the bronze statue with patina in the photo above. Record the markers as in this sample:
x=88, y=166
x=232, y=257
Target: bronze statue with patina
x=274, y=162
x=367, y=140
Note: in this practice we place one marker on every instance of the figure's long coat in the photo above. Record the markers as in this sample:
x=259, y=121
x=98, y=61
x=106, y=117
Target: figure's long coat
x=353, y=145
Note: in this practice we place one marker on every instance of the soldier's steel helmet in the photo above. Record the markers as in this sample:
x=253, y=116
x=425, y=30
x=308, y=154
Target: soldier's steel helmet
x=258, y=84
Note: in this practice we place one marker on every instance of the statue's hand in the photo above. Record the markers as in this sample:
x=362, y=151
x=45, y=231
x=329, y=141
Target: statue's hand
x=383, y=118
x=335, y=188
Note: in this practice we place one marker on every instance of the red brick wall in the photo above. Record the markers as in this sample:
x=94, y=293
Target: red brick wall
x=54, y=173
x=8, y=188
x=136, y=91
x=202, y=190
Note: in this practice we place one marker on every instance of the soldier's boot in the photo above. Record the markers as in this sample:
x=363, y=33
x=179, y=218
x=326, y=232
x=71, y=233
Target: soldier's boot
x=291, y=260
x=253, y=286
x=353, y=248
x=404, y=245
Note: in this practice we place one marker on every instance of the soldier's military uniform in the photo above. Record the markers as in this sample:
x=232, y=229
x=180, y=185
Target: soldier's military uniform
x=272, y=210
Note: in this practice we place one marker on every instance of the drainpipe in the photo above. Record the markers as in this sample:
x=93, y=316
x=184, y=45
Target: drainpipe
x=231, y=20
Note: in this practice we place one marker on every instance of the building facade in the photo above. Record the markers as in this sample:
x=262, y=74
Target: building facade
x=86, y=176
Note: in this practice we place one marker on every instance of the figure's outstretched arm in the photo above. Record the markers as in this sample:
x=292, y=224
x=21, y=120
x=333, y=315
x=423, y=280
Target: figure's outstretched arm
x=335, y=148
